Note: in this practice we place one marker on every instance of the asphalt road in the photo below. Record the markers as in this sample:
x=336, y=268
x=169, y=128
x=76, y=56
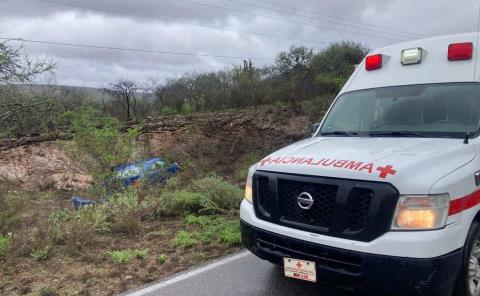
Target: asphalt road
x=240, y=274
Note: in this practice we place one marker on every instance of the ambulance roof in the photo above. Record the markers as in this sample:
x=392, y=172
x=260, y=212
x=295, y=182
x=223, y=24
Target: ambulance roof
x=434, y=67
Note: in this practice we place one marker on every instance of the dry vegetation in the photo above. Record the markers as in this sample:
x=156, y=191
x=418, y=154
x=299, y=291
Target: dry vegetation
x=139, y=235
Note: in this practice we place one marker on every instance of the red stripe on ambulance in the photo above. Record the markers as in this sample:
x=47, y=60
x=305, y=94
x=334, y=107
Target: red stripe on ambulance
x=464, y=203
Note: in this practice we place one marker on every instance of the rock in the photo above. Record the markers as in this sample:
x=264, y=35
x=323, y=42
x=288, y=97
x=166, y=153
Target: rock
x=42, y=166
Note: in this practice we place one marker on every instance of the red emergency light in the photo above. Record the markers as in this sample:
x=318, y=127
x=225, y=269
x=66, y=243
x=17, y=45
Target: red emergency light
x=373, y=62
x=460, y=51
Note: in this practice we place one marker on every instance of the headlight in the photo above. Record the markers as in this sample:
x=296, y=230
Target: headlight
x=421, y=212
x=248, y=185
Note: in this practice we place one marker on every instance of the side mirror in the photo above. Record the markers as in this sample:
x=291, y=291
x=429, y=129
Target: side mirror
x=314, y=129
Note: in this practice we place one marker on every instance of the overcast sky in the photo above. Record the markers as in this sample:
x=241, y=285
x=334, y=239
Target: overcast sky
x=234, y=28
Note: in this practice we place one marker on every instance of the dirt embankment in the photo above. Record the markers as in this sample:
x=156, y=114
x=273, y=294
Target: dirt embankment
x=217, y=141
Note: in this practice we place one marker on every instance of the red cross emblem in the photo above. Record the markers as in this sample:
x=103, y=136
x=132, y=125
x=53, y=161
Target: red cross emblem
x=385, y=171
x=299, y=265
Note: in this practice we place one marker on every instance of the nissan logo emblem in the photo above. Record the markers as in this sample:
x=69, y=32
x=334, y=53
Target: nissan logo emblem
x=305, y=201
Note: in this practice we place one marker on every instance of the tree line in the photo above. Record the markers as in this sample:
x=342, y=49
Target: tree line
x=300, y=80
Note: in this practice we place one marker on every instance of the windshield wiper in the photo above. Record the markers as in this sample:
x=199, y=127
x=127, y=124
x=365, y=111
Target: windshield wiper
x=396, y=134
x=339, y=133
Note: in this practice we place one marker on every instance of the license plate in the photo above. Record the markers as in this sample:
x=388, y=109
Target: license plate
x=300, y=269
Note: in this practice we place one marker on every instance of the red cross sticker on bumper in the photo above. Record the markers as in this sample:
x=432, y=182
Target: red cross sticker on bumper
x=385, y=171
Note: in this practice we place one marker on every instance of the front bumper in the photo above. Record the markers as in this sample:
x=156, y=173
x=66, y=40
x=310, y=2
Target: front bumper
x=387, y=275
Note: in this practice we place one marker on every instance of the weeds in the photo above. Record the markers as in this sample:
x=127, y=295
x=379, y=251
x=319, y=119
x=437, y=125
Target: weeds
x=140, y=254
x=230, y=234
x=186, y=239
x=40, y=254
x=126, y=256
x=5, y=242
x=161, y=258
x=209, y=195
x=120, y=257
x=181, y=202
x=76, y=228
x=219, y=196
x=159, y=233
x=124, y=212
x=217, y=228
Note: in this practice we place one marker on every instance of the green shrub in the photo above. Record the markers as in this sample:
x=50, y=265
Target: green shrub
x=172, y=184
x=219, y=196
x=40, y=254
x=121, y=257
x=188, y=202
x=230, y=233
x=140, y=253
x=100, y=142
x=185, y=239
x=209, y=195
x=161, y=258
x=76, y=228
x=198, y=220
x=226, y=231
x=124, y=212
x=126, y=256
x=5, y=242
x=177, y=203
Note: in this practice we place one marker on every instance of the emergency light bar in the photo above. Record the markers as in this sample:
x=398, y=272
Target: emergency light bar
x=412, y=56
x=460, y=51
x=373, y=62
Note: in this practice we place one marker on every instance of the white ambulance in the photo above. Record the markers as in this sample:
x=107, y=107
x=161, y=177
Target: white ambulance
x=386, y=193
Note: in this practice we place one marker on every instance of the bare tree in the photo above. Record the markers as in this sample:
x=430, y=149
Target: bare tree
x=124, y=92
x=16, y=67
x=18, y=112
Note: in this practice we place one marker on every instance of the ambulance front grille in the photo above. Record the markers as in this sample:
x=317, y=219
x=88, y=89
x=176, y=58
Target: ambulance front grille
x=321, y=212
x=359, y=210
x=265, y=199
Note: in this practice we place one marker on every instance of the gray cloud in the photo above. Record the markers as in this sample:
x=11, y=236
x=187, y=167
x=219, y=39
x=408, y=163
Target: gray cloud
x=38, y=20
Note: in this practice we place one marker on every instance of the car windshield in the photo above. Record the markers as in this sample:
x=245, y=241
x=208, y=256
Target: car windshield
x=428, y=110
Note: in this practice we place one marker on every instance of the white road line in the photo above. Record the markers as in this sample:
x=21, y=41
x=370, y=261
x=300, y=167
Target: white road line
x=187, y=275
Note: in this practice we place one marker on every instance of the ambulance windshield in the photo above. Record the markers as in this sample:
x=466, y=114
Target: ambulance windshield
x=428, y=110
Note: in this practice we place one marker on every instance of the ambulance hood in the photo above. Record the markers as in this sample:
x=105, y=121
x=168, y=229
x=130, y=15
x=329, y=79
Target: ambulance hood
x=412, y=165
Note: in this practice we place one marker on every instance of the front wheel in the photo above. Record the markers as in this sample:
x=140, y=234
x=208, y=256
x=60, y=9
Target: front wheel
x=468, y=282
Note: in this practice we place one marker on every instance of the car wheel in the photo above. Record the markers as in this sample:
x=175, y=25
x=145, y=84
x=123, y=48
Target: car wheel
x=468, y=281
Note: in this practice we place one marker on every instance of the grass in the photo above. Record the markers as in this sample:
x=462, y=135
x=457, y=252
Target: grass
x=219, y=229
x=40, y=254
x=161, y=258
x=126, y=256
x=192, y=221
x=159, y=232
x=230, y=234
x=186, y=239
x=5, y=242
x=140, y=253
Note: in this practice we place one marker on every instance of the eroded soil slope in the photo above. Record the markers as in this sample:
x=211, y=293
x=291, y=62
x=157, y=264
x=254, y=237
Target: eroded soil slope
x=217, y=142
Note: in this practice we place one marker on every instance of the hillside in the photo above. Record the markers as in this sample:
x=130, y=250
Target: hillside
x=220, y=142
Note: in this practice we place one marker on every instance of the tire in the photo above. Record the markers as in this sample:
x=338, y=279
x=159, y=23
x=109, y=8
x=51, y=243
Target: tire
x=462, y=287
